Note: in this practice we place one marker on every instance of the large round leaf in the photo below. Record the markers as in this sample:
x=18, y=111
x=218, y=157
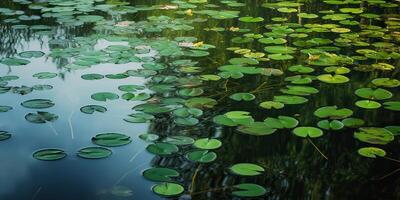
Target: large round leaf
x=246, y=169
x=160, y=174
x=111, y=139
x=38, y=103
x=49, y=154
x=94, y=152
x=207, y=143
x=168, y=189
x=305, y=131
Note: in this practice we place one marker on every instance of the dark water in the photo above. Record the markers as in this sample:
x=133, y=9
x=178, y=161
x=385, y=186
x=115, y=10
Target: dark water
x=294, y=167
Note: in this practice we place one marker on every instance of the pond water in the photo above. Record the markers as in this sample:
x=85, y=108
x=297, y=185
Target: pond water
x=199, y=99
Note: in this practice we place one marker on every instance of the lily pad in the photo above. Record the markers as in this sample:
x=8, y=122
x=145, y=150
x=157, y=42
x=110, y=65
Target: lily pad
x=37, y=103
x=49, y=154
x=305, y=131
x=4, y=135
x=368, y=104
x=392, y=105
x=41, y=117
x=333, y=112
x=371, y=152
x=90, y=109
x=104, y=96
x=373, y=94
x=111, y=139
x=160, y=174
x=374, y=135
x=201, y=156
x=207, y=143
x=242, y=97
x=94, y=152
x=335, y=79
x=246, y=169
x=168, y=189
x=162, y=149
x=248, y=190
x=281, y=122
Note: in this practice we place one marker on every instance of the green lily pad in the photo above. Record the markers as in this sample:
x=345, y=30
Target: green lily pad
x=371, y=152
x=256, y=129
x=242, y=97
x=160, y=174
x=335, y=79
x=162, y=149
x=168, y=189
x=178, y=140
x=305, y=131
x=392, y=105
x=14, y=61
x=353, y=122
x=288, y=99
x=104, y=96
x=248, y=190
x=373, y=94
x=149, y=137
x=368, y=104
x=251, y=19
x=272, y=105
x=386, y=82
x=246, y=169
x=45, y=75
x=4, y=135
x=281, y=122
x=207, y=143
x=92, y=76
x=37, y=103
x=41, y=117
x=111, y=139
x=49, y=154
x=31, y=54
x=94, y=152
x=5, y=108
x=201, y=156
x=374, y=135
x=90, y=109
x=330, y=125
x=333, y=112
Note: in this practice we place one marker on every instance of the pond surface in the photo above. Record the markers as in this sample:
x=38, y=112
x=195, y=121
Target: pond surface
x=197, y=99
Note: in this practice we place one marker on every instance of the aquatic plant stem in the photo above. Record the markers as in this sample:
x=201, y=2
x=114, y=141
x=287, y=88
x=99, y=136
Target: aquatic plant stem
x=135, y=155
x=36, y=193
x=127, y=173
x=53, y=129
x=392, y=159
x=70, y=124
x=323, y=155
x=391, y=173
x=194, y=179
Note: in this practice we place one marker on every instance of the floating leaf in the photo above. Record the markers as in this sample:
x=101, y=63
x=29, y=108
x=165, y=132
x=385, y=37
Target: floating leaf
x=168, y=189
x=201, y=156
x=330, y=125
x=335, y=79
x=368, y=104
x=305, y=131
x=242, y=97
x=41, y=117
x=160, y=174
x=90, y=109
x=111, y=139
x=104, y=96
x=257, y=129
x=251, y=19
x=287, y=99
x=37, y=103
x=333, y=112
x=374, y=135
x=281, y=122
x=392, y=105
x=246, y=169
x=94, y=152
x=272, y=104
x=248, y=190
x=207, y=143
x=4, y=135
x=370, y=93
x=371, y=152
x=353, y=122
x=162, y=149
x=49, y=154
x=5, y=108
x=179, y=140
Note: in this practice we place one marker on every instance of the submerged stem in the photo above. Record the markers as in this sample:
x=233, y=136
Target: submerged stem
x=323, y=155
x=391, y=173
x=194, y=178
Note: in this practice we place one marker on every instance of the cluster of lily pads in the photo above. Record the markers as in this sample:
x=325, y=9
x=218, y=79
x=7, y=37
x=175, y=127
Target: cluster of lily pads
x=311, y=50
